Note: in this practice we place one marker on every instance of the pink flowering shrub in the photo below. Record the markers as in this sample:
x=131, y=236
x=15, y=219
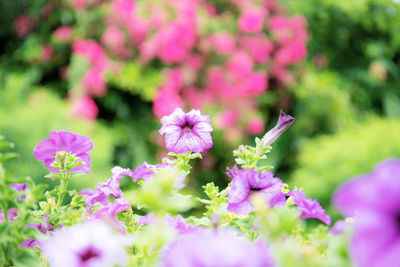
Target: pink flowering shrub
x=211, y=56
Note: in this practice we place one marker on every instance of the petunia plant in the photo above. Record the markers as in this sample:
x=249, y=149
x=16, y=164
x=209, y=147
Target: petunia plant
x=257, y=220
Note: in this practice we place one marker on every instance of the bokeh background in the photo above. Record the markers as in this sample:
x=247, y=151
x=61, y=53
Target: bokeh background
x=110, y=69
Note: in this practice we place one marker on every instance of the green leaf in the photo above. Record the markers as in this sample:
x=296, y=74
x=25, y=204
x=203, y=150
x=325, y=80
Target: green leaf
x=195, y=156
x=75, y=164
x=55, y=175
x=44, y=205
x=4, y=145
x=76, y=174
x=8, y=156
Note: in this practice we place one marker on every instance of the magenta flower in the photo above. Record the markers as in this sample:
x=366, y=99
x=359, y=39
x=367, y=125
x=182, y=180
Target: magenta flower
x=90, y=244
x=251, y=21
x=308, y=207
x=147, y=170
x=374, y=200
x=11, y=214
x=146, y=219
x=339, y=227
x=76, y=144
x=284, y=122
x=221, y=249
x=186, y=132
x=19, y=187
x=180, y=225
x=104, y=190
x=245, y=182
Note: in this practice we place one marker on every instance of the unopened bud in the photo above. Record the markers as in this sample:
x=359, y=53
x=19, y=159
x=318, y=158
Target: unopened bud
x=284, y=122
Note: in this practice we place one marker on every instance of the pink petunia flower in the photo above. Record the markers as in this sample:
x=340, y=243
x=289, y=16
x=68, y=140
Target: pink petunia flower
x=76, y=144
x=92, y=243
x=308, y=207
x=374, y=202
x=186, y=132
x=218, y=248
x=246, y=182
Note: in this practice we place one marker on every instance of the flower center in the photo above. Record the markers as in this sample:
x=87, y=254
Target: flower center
x=397, y=218
x=88, y=254
x=187, y=127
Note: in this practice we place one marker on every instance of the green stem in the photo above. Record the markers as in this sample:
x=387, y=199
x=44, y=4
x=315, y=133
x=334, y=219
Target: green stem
x=63, y=187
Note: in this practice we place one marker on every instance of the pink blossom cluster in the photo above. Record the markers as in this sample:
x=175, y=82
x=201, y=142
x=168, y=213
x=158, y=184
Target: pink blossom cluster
x=208, y=56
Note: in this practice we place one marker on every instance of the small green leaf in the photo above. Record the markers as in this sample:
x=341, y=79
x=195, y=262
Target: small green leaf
x=55, y=175
x=44, y=205
x=75, y=164
x=76, y=174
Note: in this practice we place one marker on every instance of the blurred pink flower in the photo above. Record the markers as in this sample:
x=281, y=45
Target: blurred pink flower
x=47, y=53
x=291, y=54
x=175, y=41
x=259, y=47
x=63, y=33
x=94, y=83
x=255, y=126
x=85, y=108
x=113, y=38
x=165, y=102
x=252, y=20
x=240, y=64
x=92, y=51
x=223, y=43
x=227, y=118
x=23, y=25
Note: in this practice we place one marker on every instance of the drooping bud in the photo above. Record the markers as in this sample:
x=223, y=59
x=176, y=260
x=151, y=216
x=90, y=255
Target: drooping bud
x=284, y=122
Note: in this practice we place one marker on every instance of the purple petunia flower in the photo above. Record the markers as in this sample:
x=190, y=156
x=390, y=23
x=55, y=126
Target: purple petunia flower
x=92, y=243
x=147, y=170
x=19, y=187
x=245, y=182
x=31, y=242
x=146, y=219
x=180, y=225
x=221, y=249
x=76, y=144
x=374, y=200
x=308, y=207
x=284, y=122
x=109, y=188
x=11, y=214
x=338, y=228
x=186, y=132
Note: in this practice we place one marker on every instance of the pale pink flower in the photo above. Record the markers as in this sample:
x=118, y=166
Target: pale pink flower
x=252, y=20
x=255, y=125
x=63, y=33
x=85, y=108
